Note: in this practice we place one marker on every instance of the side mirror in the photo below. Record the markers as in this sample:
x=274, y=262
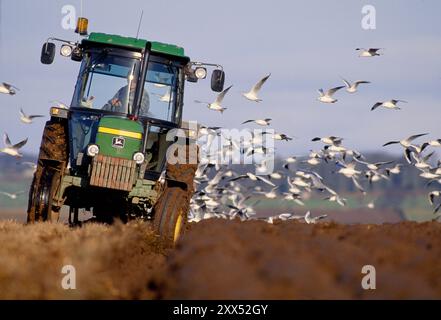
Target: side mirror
x=47, y=53
x=217, y=80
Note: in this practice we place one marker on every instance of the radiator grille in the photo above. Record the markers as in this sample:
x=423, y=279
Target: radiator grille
x=113, y=173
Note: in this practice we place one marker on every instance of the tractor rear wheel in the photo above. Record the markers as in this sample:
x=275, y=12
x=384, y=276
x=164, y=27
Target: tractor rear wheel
x=43, y=194
x=52, y=161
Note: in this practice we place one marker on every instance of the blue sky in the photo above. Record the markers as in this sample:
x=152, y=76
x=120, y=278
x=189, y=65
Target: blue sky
x=306, y=45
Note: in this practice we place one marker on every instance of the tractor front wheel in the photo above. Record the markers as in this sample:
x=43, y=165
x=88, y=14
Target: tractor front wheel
x=170, y=215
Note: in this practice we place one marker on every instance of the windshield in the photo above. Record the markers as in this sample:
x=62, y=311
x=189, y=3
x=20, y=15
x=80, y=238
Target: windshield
x=108, y=82
x=161, y=82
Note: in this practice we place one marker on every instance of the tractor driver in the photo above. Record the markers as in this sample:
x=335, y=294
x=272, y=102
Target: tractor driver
x=119, y=104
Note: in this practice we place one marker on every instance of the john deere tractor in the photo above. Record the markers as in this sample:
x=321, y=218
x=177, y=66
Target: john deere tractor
x=106, y=151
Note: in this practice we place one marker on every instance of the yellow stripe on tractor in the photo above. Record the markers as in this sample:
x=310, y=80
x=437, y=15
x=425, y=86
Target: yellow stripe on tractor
x=129, y=134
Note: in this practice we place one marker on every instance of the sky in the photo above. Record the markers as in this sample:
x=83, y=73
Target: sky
x=305, y=45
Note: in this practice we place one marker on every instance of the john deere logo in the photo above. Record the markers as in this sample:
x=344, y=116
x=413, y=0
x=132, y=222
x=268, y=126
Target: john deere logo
x=118, y=142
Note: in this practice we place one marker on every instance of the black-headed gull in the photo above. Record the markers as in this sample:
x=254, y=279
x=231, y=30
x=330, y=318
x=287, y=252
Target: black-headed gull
x=7, y=88
x=12, y=150
x=28, y=118
x=252, y=95
x=370, y=52
x=216, y=105
x=352, y=87
x=326, y=97
x=390, y=104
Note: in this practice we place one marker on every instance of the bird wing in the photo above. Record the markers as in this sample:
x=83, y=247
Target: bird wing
x=22, y=113
x=375, y=106
x=320, y=91
x=6, y=140
x=36, y=116
x=221, y=95
x=358, y=185
x=383, y=163
x=265, y=180
x=390, y=142
x=247, y=121
x=20, y=144
x=259, y=85
x=411, y=138
x=331, y=91
x=361, y=81
x=347, y=84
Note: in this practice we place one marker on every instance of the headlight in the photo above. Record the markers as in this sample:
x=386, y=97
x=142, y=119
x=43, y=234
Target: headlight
x=66, y=50
x=200, y=73
x=139, y=157
x=92, y=150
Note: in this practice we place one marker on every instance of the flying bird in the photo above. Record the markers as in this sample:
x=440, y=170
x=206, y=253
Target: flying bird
x=12, y=150
x=28, y=118
x=406, y=143
x=252, y=95
x=370, y=52
x=313, y=220
x=260, y=122
x=216, y=105
x=327, y=97
x=352, y=87
x=12, y=196
x=390, y=104
x=7, y=88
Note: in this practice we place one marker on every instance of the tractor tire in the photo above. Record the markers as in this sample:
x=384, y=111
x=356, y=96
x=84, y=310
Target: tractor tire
x=170, y=215
x=52, y=161
x=43, y=194
x=171, y=209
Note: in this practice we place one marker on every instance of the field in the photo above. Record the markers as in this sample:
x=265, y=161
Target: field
x=219, y=259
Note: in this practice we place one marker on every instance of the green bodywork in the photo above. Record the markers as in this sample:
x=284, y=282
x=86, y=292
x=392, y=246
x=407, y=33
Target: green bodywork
x=114, y=129
x=139, y=44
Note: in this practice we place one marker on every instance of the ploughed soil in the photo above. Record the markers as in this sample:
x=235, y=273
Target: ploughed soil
x=218, y=259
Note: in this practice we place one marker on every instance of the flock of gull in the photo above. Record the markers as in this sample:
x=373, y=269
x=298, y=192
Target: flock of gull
x=221, y=192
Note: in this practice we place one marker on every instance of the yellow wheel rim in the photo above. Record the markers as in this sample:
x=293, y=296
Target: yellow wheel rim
x=178, y=227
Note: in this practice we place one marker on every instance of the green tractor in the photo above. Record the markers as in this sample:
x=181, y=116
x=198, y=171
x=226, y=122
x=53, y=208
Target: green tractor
x=107, y=152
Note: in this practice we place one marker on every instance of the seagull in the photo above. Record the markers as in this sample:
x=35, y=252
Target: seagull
x=336, y=198
x=394, y=170
x=329, y=140
x=12, y=150
x=289, y=161
x=327, y=97
x=313, y=220
x=260, y=122
x=253, y=178
x=432, y=196
x=216, y=105
x=352, y=88
x=281, y=136
x=406, y=143
x=289, y=216
x=7, y=88
x=390, y=104
x=28, y=119
x=29, y=164
x=252, y=95
x=13, y=196
x=370, y=52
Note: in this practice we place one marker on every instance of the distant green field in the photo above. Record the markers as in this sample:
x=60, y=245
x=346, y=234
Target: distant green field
x=414, y=207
